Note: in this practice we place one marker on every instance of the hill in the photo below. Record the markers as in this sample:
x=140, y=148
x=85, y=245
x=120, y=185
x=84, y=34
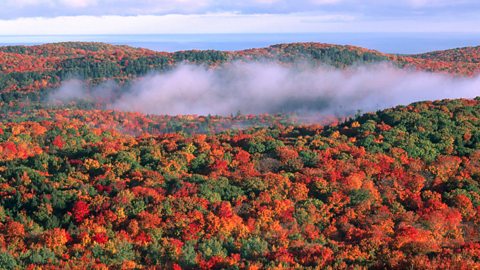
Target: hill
x=83, y=187
x=461, y=61
x=465, y=55
x=30, y=69
x=394, y=189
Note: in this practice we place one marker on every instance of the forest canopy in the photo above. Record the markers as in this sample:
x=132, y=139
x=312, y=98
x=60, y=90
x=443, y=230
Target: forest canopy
x=85, y=187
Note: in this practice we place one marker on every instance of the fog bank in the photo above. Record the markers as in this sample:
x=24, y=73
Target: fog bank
x=253, y=88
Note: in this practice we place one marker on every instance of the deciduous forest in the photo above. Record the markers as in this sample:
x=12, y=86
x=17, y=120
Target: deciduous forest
x=85, y=187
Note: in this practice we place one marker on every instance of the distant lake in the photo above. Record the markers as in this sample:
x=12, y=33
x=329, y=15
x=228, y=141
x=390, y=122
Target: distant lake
x=401, y=43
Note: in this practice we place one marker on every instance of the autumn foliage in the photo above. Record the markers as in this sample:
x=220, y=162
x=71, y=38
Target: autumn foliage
x=86, y=188
x=32, y=69
x=93, y=189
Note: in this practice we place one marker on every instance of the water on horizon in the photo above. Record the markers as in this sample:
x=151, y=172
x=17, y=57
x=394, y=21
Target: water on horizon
x=401, y=43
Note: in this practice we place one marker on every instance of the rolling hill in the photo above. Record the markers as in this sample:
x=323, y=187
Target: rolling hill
x=83, y=187
x=396, y=189
x=32, y=69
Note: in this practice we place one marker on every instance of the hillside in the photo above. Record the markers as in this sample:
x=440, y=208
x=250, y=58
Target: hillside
x=36, y=68
x=86, y=187
x=465, y=55
x=396, y=189
x=463, y=61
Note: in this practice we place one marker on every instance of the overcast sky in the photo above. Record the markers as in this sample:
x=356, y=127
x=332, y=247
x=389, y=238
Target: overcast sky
x=40, y=17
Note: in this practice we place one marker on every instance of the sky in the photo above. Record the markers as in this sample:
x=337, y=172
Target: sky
x=87, y=17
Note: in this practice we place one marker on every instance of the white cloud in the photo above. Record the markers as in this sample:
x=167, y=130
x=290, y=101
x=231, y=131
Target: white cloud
x=50, y=3
x=78, y=3
x=170, y=24
x=227, y=23
x=37, y=17
x=26, y=3
x=435, y=3
x=381, y=8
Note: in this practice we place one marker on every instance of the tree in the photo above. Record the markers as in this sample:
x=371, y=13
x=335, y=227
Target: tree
x=7, y=261
x=80, y=211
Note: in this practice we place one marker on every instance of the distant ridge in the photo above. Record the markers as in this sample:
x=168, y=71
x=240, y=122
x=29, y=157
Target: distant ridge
x=27, y=69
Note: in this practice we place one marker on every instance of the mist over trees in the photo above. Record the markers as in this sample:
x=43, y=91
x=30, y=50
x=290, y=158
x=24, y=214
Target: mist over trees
x=86, y=185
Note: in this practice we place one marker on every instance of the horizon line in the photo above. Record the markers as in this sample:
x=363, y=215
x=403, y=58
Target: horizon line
x=246, y=33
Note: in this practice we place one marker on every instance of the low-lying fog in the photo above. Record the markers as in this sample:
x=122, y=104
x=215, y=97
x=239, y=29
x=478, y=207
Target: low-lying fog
x=253, y=88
